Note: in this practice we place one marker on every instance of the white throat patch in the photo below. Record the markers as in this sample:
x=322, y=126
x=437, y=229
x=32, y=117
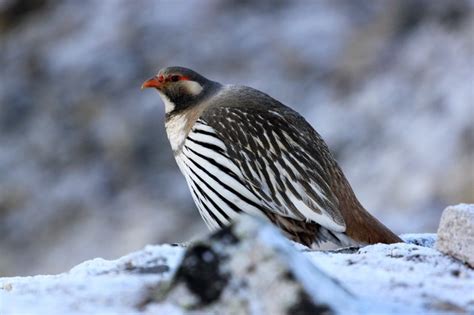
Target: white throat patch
x=169, y=105
x=176, y=131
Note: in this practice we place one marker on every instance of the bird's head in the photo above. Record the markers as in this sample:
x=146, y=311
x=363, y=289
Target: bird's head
x=180, y=88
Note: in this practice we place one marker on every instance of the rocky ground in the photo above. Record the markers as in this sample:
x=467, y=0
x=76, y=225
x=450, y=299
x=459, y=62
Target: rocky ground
x=249, y=268
x=84, y=156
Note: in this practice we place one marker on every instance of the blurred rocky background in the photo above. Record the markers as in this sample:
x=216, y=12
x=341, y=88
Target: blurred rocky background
x=85, y=166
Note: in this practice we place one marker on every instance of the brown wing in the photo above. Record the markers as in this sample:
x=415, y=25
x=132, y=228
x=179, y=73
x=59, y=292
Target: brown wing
x=281, y=158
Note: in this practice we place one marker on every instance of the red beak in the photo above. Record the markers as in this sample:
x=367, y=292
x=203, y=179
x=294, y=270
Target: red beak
x=153, y=82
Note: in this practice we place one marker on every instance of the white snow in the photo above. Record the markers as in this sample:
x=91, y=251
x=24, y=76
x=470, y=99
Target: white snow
x=413, y=278
x=404, y=277
x=96, y=286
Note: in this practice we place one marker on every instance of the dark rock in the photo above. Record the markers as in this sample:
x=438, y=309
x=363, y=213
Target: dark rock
x=200, y=272
x=306, y=306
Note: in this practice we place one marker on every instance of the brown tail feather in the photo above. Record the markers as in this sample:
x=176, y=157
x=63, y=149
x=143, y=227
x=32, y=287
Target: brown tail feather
x=361, y=226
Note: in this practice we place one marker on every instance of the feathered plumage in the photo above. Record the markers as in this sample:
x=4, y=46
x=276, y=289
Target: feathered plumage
x=240, y=150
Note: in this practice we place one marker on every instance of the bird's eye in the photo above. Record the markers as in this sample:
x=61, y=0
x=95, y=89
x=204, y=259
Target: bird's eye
x=175, y=78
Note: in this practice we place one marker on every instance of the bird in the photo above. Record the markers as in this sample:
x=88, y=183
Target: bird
x=243, y=152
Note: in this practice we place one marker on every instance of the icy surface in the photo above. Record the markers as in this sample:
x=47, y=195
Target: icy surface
x=96, y=286
x=408, y=277
x=416, y=278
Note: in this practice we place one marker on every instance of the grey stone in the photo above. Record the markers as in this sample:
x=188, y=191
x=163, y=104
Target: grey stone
x=456, y=232
x=250, y=268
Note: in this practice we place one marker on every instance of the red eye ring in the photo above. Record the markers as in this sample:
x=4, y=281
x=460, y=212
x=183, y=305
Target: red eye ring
x=175, y=78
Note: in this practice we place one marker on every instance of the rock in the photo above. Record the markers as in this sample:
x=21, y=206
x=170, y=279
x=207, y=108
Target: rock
x=456, y=232
x=250, y=266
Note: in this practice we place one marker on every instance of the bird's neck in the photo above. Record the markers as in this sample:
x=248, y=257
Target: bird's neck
x=179, y=121
x=178, y=102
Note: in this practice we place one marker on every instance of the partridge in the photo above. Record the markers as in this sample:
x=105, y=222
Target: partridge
x=242, y=151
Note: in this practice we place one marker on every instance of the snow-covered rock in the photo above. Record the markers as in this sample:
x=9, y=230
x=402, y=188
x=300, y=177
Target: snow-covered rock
x=456, y=232
x=97, y=286
x=250, y=268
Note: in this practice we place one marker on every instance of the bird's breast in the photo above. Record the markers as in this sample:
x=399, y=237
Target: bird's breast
x=176, y=129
